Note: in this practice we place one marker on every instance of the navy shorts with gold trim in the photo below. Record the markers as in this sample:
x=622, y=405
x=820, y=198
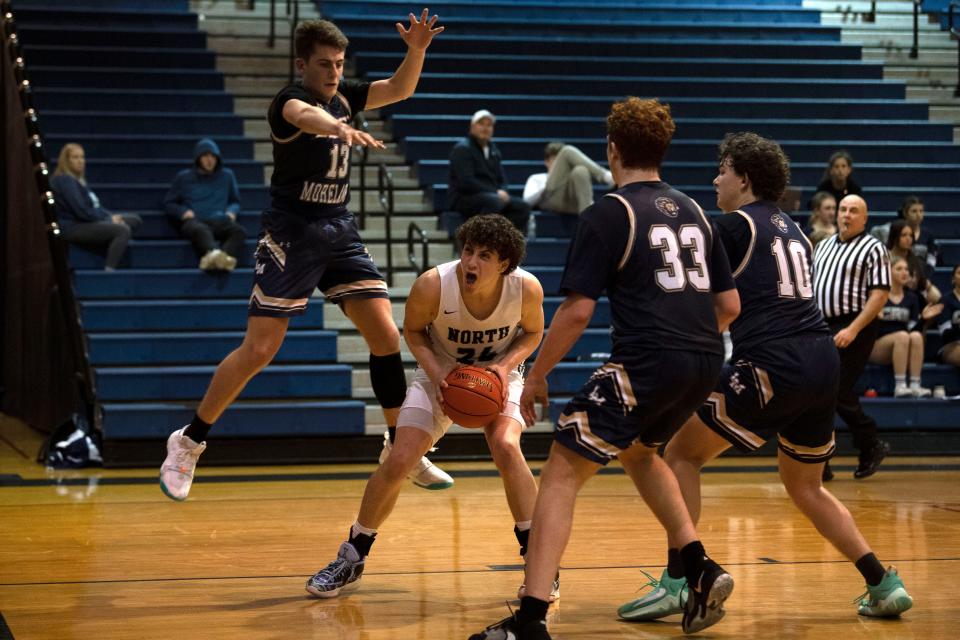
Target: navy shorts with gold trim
x=295, y=256
x=785, y=387
x=644, y=398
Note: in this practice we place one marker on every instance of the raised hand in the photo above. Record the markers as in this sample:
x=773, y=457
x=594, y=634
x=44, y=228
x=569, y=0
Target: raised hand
x=421, y=31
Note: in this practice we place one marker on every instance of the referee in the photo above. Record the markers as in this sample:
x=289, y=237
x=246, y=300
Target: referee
x=851, y=283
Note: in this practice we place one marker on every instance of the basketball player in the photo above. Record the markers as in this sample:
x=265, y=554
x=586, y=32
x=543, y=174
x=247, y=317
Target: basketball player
x=655, y=253
x=480, y=309
x=782, y=378
x=309, y=239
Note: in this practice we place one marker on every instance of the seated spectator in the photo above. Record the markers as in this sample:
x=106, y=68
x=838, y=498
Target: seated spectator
x=477, y=183
x=900, y=336
x=949, y=323
x=567, y=186
x=823, y=217
x=83, y=221
x=204, y=201
x=837, y=180
x=900, y=244
x=924, y=246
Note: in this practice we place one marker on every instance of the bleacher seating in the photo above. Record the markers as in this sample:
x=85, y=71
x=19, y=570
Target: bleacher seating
x=133, y=82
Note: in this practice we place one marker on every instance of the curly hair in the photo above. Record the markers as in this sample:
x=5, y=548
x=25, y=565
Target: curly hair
x=641, y=131
x=495, y=232
x=759, y=159
x=317, y=33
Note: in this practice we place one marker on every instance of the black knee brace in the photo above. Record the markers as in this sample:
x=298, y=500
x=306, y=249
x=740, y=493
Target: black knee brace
x=388, y=379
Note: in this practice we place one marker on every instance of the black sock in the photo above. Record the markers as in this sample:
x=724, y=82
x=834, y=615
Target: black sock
x=393, y=434
x=871, y=569
x=197, y=430
x=693, y=557
x=674, y=564
x=523, y=537
x=362, y=543
x=531, y=610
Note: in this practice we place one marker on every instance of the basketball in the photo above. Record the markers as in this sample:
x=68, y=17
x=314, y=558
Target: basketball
x=473, y=396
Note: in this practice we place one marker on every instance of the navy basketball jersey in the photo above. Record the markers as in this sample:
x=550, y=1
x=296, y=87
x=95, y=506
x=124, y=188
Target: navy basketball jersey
x=657, y=256
x=311, y=173
x=772, y=276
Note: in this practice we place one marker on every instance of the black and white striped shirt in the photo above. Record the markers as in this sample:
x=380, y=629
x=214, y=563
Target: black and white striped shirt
x=845, y=272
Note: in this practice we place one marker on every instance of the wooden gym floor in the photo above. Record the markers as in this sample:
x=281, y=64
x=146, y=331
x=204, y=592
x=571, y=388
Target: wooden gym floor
x=103, y=554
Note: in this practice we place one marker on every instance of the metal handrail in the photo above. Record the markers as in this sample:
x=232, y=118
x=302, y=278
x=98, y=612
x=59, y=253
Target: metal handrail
x=58, y=247
x=272, y=38
x=293, y=28
x=915, y=49
x=414, y=228
x=956, y=36
x=360, y=123
x=385, y=194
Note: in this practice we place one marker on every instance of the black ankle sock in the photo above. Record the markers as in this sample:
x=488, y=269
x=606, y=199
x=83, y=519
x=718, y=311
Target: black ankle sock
x=693, y=557
x=362, y=543
x=531, y=610
x=871, y=569
x=197, y=430
x=523, y=537
x=393, y=434
x=674, y=564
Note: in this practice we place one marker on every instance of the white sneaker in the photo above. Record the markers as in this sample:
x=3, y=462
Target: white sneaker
x=920, y=392
x=225, y=261
x=902, y=391
x=210, y=260
x=176, y=474
x=425, y=474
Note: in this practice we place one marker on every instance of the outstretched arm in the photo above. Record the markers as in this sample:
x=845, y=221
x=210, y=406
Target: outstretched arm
x=403, y=82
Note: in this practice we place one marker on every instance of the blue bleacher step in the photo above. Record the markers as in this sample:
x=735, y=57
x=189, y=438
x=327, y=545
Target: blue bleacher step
x=590, y=343
x=189, y=383
x=117, y=37
x=207, y=124
x=39, y=14
x=172, y=6
x=601, y=313
x=880, y=378
x=181, y=315
x=155, y=254
x=73, y=99
x=126, y=197
x=168, y=145
x=158, y=225
x=203, y=347
x=163, y=283
x=601, y=43
x=121, y=57
x=122, y=421
x=891, y=414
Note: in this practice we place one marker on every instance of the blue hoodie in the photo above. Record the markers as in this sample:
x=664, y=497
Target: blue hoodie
x=209, y=195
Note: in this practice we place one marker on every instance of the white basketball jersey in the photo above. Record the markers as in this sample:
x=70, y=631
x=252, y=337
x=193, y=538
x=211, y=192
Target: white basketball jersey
x=457, y=335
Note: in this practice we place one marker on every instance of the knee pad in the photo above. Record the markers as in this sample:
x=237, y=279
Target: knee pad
x=388, y=379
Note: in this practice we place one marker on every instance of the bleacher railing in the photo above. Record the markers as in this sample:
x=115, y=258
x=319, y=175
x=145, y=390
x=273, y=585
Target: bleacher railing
x=385, y=193
x=915, y=49
x=956, y=36
x=413, y=229
x=58, y=246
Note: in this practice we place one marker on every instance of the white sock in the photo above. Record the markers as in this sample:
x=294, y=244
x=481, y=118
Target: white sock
x=901, y=381
x=524, y=526
x=914, y=383
x=356, y=529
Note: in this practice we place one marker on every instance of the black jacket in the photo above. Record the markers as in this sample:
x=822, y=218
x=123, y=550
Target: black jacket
x=471, y=173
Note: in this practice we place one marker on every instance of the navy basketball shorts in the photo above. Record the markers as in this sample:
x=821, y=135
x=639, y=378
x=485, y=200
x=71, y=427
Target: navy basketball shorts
x=296, y=256
x=785, y=387
x=643, y=398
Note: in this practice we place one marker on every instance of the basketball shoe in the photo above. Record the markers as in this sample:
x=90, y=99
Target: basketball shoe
x=666, y=598
x=343, y=574
x=887, y=599
x=425, y=474
x=704, y=605
x=509, y=629
x=176, y=473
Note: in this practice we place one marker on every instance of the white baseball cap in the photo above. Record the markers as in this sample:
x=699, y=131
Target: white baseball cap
x=483, y=113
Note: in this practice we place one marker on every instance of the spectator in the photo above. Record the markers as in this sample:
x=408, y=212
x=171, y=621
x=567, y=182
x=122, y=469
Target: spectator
x=477, y=183
x=924, y=246
x=204, y=200
x=900, y=244
x=900, y=334
x=949, y=323
x=567, y=186
x=823, y=217
x=83, y=221
x=836, y=179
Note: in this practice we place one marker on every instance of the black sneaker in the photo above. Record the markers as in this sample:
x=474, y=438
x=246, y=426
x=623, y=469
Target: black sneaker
x=827, y=472
x=508, y=629
x=705, y=598
x=870, y=459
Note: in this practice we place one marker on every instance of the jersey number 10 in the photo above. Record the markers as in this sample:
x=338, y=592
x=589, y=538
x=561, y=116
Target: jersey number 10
x=796, y=283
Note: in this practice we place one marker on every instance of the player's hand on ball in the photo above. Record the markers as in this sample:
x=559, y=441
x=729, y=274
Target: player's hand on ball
x=503, y=374
x=534, y=391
